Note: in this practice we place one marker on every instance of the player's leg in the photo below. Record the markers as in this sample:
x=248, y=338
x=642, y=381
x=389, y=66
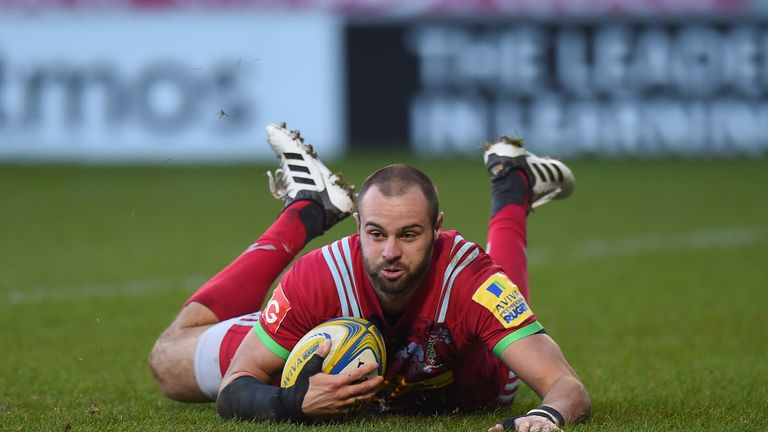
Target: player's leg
x=519, y=181
x=315, y=200
x=238, y=289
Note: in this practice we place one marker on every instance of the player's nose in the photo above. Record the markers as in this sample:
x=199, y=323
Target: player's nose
x=392, y=250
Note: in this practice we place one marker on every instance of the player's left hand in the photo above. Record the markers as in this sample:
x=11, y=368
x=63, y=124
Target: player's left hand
x=337, y=395
x=525, y=424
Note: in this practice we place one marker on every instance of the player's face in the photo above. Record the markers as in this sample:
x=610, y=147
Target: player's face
x=396, y=237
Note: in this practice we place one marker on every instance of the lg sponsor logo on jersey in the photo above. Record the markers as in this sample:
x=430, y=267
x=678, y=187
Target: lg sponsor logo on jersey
x=276, y=309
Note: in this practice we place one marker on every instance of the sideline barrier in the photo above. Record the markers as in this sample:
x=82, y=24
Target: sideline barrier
x=631, y=87
x=197, y=80
x=186, y=87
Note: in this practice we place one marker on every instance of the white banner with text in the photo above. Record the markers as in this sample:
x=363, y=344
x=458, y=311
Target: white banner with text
x=184, y=87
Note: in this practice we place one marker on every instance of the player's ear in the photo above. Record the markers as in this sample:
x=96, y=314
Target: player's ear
x=439, y=224
x=356, y=215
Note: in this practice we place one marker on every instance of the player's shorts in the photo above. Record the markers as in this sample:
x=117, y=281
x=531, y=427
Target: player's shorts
x=215, y=350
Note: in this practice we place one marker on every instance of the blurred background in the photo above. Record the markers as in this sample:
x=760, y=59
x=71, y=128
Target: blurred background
x=132, y=160
x=197, y=80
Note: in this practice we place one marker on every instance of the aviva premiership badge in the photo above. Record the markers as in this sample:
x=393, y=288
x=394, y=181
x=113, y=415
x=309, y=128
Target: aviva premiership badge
x=500, y=296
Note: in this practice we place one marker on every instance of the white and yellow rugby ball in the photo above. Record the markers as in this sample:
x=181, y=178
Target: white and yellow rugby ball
x=354, y=342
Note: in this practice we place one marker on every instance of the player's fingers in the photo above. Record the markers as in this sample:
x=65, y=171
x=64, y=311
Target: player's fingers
x=496, y=428
x=356, y=401
x=544, y=426
x=535, y=425
x=365, y=388
x=359, y=373
x=324, y=349
x=314, y=365
x=522, y=425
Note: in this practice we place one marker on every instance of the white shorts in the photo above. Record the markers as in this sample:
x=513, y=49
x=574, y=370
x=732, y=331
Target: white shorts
x=220, y=340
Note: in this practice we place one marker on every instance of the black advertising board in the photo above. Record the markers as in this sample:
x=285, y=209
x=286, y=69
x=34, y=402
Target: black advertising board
x=613, y=87
x=382, y=78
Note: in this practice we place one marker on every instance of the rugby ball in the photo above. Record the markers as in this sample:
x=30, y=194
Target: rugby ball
x=354, y=342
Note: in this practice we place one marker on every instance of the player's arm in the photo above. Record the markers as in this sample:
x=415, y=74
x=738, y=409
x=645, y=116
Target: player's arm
x=246, y=394
x=538, y=361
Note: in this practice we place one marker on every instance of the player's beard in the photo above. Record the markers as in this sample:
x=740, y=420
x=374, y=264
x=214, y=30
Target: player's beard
x=411, y=276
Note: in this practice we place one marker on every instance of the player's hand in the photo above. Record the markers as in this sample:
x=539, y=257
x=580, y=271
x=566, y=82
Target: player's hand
x=334, y=395
x=526, y=424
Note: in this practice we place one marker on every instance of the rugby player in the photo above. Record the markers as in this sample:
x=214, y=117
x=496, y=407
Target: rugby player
x=460, y=334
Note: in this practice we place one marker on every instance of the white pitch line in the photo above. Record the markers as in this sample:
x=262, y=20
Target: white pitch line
x=720, y=238
x=103, y=290
x=729, y=237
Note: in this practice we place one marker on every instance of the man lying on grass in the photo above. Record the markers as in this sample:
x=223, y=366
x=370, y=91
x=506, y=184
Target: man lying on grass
x=459, y=332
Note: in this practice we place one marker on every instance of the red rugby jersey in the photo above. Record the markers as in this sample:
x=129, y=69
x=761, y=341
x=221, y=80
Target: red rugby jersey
x=439, y=351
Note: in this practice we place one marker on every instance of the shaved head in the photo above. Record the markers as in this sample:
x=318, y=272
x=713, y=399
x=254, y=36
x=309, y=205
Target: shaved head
x=396, y=180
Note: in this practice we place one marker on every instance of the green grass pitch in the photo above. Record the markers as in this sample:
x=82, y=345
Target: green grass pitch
x=653, y=278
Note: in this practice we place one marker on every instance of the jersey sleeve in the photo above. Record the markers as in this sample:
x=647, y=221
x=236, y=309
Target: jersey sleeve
x=293, y=309
x=495, y=310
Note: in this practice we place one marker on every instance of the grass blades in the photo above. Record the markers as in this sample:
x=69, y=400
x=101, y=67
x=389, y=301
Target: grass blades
x=652, y=277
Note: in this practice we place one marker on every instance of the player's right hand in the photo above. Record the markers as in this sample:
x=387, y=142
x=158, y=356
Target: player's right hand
x=526, y=424
x=335, y=395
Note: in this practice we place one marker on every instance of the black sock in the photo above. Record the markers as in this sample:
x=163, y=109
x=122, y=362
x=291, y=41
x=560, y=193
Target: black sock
x=313, y=217
x=512, y=188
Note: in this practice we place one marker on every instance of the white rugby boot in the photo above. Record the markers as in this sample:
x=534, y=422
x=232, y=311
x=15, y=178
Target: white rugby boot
x=302, y=176
x=550, y=179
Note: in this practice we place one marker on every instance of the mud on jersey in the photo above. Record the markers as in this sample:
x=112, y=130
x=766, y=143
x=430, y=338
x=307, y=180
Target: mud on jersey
x=442, y=351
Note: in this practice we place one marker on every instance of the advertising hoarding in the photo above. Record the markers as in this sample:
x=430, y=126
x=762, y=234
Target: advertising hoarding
x=197, y=80
x=159, y=87
x=415, y=8
x=631, y=87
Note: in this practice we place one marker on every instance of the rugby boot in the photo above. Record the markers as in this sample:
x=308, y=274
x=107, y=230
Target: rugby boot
x=549, y=179
x=302, y=176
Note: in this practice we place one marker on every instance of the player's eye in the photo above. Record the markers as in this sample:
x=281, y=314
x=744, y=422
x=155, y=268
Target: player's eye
x=375, y=234
x=408, y=235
